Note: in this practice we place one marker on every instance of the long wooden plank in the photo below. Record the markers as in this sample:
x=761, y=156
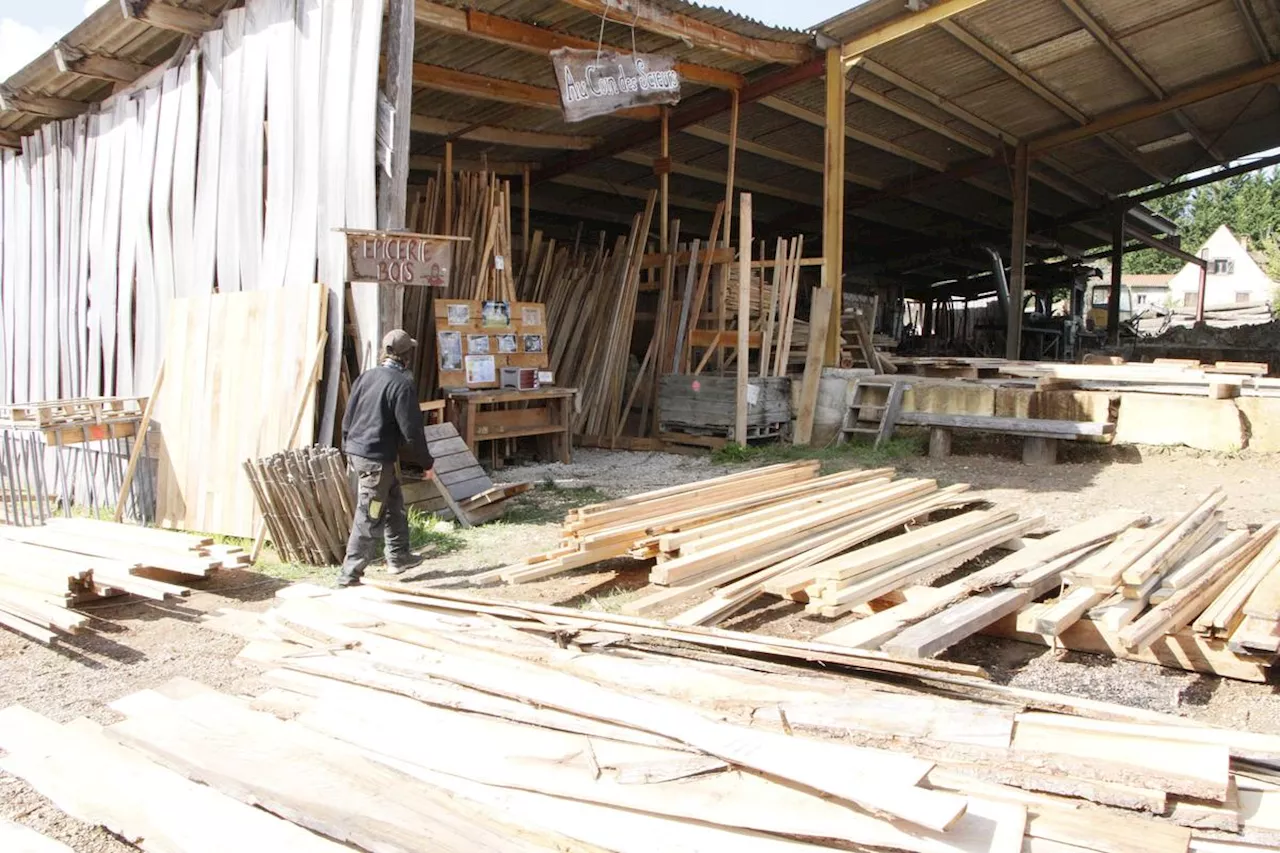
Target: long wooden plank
x=282, y=93
x=186, y=140
x=945, y=629
x=134, y=196
x=819, y=320
x=1224, y=614
x=1168, y=550
x=228, y=211
x=308, y=80
x=256, y=49
x=291, y=771
x=148, y=314
x=102, y=783
x=205, y=222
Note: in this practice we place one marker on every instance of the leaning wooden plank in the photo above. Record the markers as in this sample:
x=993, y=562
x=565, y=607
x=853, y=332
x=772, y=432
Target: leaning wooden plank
x=1227, y=561
x=1169, y=549
x=317, y=782
x=282, y=93
x=1221, y=617
x=100, y=782
x=1178, y=766
x=952, y=625
x=882, y=782
x=819, y=320
x=16, y=838
x=1182, y=650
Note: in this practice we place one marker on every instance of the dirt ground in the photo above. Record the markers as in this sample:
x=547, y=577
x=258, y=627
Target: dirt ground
x=142, y=644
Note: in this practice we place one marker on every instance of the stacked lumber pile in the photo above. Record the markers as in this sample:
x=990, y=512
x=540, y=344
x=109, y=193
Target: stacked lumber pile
x=305, y=499
x=584, y=748
x=45, y=572
x=606, y=531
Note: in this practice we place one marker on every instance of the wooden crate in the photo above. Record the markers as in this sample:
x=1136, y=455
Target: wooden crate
x=704, y=405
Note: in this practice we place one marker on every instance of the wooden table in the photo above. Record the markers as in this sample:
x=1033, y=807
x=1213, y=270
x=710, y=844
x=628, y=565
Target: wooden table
x=507, y=413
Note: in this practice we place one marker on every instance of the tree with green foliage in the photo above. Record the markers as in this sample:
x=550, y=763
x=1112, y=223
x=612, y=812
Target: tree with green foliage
x=1247, y=204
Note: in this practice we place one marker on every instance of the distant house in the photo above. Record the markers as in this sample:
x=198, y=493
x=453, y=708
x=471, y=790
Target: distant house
x=1149, y=291
x=1234, y=277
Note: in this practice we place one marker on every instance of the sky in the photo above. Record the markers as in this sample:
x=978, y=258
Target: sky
x=28, y=27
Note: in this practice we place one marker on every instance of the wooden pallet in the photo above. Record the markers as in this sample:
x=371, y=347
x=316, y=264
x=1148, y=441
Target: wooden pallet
x=96, y=410
x=469, y=487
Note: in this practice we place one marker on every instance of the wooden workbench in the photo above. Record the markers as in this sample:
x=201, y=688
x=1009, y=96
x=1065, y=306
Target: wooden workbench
x=507, y=413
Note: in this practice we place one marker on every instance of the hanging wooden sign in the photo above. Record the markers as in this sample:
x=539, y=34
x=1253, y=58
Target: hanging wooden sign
x=595, y=83
x=398, y=258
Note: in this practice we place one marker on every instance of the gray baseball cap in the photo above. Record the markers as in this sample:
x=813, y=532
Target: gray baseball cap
x=398, y=342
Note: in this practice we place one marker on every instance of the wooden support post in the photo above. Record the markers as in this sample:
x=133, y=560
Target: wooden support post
x=939, y=443
x=1038, y=450
x=448, y=188
x=1117, y=264
x=524, y=222
x=833, y=200
x=393, y=171
x=744, y=318
x=722, y=289
x=1204, y=280
x=664, y=180
x=1018, y=250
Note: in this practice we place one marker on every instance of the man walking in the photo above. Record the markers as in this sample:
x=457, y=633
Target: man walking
x=382, y=419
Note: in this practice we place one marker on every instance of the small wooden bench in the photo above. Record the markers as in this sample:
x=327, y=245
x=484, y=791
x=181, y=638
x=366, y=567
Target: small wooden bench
x=1041, y=437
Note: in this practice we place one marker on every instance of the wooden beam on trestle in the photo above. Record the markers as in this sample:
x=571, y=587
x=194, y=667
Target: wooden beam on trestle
x=72, y=60
x=691, y=31
x=833, y=199
x=542, y=40
x=500, y=135
x=393, y=160
x=1018, y=251
x=904, y=25
x=166, y=17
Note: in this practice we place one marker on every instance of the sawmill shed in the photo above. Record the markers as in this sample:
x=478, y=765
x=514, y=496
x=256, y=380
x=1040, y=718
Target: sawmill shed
x=1020, y=125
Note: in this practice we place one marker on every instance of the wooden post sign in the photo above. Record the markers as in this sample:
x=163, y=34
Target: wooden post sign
x=595, y=83
x=399, y=258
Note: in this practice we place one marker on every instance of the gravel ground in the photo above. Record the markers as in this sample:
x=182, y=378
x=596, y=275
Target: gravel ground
x=142, y=644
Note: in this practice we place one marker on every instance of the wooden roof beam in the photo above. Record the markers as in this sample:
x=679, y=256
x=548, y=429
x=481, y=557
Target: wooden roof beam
x=690, y=30
x=40, y=106
x=541, y=40
x=504, y=91
x=718, y=177
x=598, y=185
x=427, y=163
x=817, y=119
x=1140, y=112
x=500, y=135
x=1117, y=50
x=904, y=25
x=166, y=17
x=10, y=139
x=98, y=66
x=777, y=155
x=884, y=102
x=1029, y=82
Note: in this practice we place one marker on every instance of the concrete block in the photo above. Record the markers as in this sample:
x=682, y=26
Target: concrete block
x=951, y=398
x=1262, y=414
x=1167, y=419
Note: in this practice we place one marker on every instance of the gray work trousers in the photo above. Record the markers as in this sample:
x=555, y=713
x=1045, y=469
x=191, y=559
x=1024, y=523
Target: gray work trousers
x=380, y=514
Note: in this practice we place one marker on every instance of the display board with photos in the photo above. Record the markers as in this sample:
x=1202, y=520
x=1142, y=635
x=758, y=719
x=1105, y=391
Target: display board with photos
x=475, y=340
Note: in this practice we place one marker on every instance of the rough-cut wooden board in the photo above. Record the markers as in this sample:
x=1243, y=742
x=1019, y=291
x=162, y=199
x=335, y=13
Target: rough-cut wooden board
x=361, y=188
x=184, y=177
x=308, y=78
x=282, y=111
x=253, y=101
x=945, y=629
x=819, y=319
x=228, y=249
x=204, y=251
x=134, y=196
x=102, y=783
x=148, y=319
x=317, y=781
x=52, y=355
x=161, y=196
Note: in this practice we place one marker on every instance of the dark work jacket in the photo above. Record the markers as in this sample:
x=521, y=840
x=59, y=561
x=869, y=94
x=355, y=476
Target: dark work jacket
x=383, y=416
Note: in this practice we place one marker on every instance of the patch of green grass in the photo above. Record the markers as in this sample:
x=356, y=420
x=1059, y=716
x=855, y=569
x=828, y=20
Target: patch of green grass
x=549, y=502
x=834, y=457
x=431, y=536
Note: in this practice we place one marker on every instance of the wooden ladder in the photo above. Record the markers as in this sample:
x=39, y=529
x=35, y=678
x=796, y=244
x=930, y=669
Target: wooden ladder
x=888, y=413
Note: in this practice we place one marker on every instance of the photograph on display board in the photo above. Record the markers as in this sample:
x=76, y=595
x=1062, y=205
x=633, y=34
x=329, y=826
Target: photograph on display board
x=477, y=344
x=531, y=316
x=533, y=343
x=450, y=345
x=459, y=315
x=481, y=369
x=496, y=314
x=507, y=344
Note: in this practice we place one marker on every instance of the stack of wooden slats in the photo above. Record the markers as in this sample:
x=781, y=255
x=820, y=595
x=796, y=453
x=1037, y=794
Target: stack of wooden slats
x=588, y=749
x=46, y=571
x=305, y=498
